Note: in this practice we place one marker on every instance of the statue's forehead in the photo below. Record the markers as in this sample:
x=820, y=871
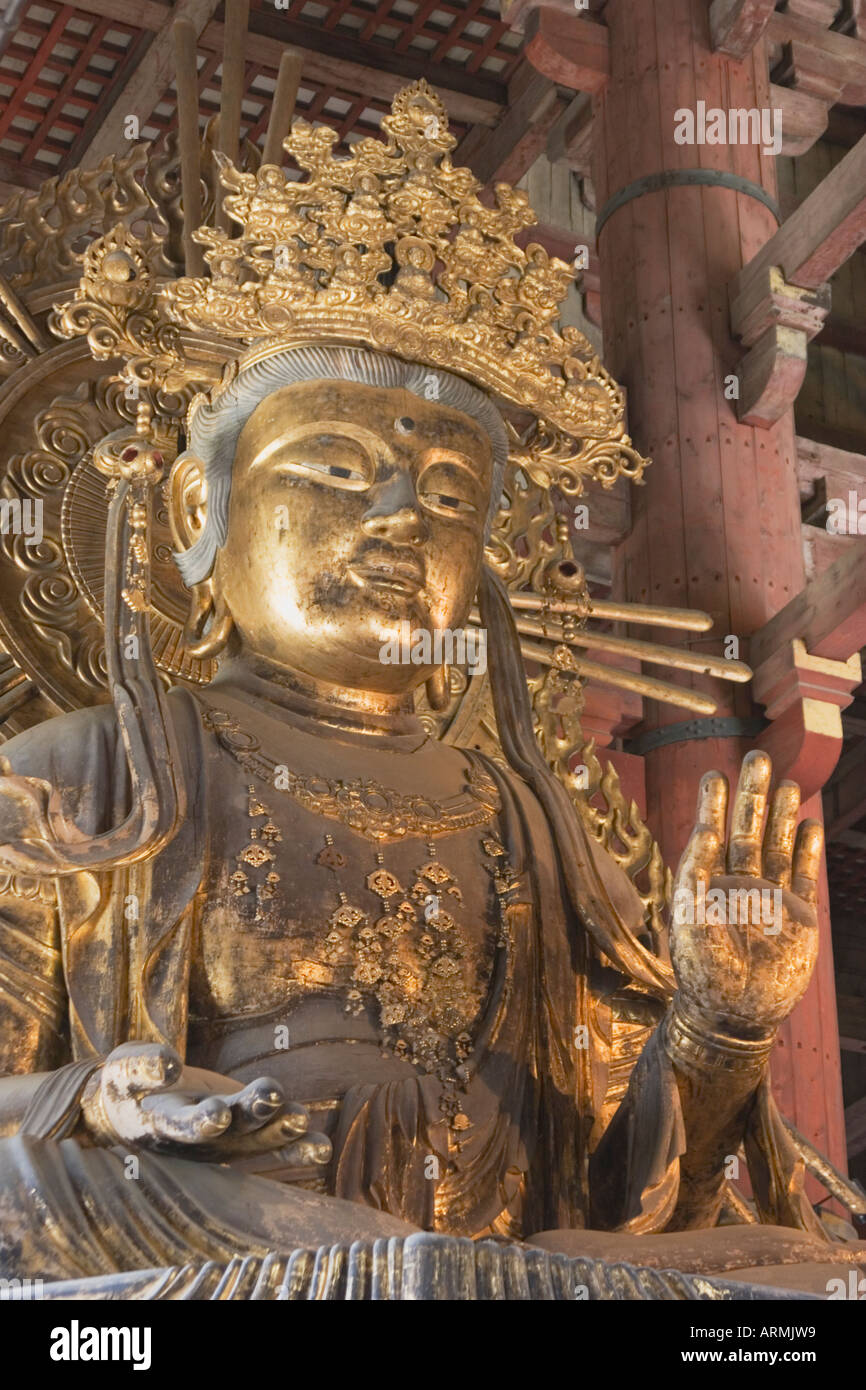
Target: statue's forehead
x=381, y=407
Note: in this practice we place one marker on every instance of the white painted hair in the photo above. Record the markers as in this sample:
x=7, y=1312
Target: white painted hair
x=215, y=429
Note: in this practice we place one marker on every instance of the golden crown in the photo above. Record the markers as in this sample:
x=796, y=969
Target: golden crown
x=389, y=248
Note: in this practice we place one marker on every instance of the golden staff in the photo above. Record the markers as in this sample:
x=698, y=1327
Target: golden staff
x=565, y=660
x=655, y=653
x=688, y=619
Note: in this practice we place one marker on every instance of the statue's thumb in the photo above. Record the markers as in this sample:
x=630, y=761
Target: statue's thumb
x=696, y=865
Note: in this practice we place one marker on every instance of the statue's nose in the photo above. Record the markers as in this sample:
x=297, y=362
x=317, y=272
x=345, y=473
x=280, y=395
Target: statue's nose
x=394, y=513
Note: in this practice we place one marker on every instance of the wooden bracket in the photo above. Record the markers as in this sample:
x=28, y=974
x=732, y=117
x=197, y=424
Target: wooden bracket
x=806, y=661
x=775, y=321
x=818, y=59
x=737, y=25
x=804, y=118
x=804, y=696
x=781, y=299
x=570, y=50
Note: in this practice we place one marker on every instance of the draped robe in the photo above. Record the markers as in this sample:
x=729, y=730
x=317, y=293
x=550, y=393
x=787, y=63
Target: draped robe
x=77, y=981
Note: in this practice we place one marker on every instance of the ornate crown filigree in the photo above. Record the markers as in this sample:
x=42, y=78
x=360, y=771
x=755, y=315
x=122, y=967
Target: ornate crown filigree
x=390, y=248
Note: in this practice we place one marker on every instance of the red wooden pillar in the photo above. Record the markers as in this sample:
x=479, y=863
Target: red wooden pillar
x=717, y=525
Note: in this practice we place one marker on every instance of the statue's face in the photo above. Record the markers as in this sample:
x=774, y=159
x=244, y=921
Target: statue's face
x=353, y=509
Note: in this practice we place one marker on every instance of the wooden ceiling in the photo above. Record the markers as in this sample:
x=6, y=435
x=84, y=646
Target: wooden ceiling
x=63, y=66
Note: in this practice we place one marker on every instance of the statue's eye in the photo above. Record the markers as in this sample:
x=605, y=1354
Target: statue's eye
x=449, y=489
x=334, y=470
x=448, y=504
x=329, y=458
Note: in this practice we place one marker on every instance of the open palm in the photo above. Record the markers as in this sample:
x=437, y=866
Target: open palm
x=744, y=934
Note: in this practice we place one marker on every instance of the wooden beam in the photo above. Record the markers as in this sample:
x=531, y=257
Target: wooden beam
x=822, y=12
x=570, y=139
x=737, y=25
x=514, y=12
x=770, y=376
x=844, y=57
x=819, y=460
x=141, y=14
x=146, y=83
x=570, y=51
x=373, y=69
x=506, y=153
x=362, y=68
x=323, y=67
x=134, y=56
x=804, y=119
x=775, y=321
x=16, y=176
x=820, y=235
x=828, y=615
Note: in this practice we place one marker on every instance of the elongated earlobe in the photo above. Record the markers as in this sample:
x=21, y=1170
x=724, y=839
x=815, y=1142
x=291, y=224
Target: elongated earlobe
x=209, y=624
x=187, y=494
x=438, y=688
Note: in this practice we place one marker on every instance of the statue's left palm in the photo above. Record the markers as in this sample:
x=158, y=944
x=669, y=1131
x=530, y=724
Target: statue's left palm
x=743, y=963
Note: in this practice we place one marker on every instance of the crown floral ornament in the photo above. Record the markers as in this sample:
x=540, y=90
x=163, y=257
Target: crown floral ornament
x=389, y=248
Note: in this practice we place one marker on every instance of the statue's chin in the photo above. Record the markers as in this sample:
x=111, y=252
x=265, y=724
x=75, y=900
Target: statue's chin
x=346, y=668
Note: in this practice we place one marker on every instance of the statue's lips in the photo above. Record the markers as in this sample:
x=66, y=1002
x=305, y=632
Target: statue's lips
x=392, y=576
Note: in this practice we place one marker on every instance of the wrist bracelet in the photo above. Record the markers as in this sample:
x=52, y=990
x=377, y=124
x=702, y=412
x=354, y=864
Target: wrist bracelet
x=711, y=1052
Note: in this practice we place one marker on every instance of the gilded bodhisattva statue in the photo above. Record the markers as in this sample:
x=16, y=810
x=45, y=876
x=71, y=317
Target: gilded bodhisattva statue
x=297, y=971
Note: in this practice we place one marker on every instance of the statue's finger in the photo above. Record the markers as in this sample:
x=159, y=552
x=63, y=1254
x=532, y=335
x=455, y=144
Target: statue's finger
x=747, y=817
x=281, y=1134
x=808, y=849
x=699, y=859
x=712, y=810
x=312, y=1150
x=781, y=830
x=173, y=1118
x=256, y=1105
x=295, y=1118
x=137, y=1067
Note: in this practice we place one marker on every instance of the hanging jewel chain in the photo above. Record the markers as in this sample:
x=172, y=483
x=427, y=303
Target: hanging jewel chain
x=411, y=961
x=375, y=811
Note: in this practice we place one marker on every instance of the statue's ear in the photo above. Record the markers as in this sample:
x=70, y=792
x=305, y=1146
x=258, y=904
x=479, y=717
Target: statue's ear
x=187, y=509
x=209, y=623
